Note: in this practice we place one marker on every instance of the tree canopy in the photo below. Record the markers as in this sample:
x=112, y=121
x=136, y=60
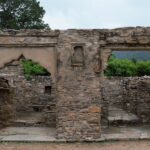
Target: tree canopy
x=21, y=14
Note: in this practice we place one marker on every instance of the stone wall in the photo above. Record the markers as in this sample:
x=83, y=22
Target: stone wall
x=6, y=101
x=137, y=97
x=78, y=86
x=36, y=95
x=131, y=94
x=113, y=90
x=79, y=110
x=76, y=59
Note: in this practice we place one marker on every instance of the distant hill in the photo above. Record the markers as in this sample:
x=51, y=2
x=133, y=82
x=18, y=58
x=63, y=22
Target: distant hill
x=138, y=55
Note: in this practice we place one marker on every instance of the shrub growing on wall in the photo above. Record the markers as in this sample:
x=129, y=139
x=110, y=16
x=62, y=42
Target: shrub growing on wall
x=32, y=68
x=126, y=68
x=143, y=68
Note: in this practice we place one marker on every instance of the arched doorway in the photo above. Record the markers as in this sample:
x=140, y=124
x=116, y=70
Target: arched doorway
x=34, y=103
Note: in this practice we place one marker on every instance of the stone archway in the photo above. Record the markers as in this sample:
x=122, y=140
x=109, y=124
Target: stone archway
x=45, y=56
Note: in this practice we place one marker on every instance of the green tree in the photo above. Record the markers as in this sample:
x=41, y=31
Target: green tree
x=21, y=14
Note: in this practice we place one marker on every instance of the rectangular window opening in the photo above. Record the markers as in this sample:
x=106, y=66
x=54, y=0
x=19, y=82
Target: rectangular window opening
x=48, y=90
x=128, y=63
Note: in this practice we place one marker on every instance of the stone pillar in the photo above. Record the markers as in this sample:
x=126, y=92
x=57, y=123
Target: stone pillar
x=78, y=109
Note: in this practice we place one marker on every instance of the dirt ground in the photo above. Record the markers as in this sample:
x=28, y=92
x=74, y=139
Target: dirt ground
x=128, y=145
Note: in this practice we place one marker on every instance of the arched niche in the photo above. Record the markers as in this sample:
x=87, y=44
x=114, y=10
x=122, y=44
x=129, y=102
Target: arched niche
x=46, y=57
x=78, y=56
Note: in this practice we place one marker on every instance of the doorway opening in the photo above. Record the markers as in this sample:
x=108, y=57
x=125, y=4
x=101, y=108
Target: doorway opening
x=34, y=108
x=126, y=90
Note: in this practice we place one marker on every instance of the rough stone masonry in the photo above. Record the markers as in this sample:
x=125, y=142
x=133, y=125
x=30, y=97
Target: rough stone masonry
x=76, y=60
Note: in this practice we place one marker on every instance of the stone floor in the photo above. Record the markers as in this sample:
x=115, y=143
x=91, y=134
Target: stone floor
x=29, y=119
x=126, y=133
x=28, y=134
x=121, y=117
x=44, y=134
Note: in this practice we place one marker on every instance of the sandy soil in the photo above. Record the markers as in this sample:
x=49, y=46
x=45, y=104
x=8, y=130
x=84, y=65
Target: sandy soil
x=135, y=145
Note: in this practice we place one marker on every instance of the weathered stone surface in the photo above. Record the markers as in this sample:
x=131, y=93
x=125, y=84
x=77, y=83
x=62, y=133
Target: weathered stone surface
x=94, y=109
x=132, y=94
x=30, y=95
x=6, y=101
x=82, y=93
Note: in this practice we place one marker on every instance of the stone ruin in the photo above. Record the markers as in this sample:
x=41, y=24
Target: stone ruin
x=6, y=103
x=77, y=99
x=33, y=99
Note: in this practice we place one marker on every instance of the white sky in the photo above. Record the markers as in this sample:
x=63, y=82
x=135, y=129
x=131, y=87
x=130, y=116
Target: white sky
x=85, y=14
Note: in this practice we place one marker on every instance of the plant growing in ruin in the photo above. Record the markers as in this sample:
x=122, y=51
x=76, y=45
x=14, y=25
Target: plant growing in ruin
x=31, y=68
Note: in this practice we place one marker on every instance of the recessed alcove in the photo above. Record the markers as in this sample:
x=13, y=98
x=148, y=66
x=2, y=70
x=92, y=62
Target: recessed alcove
x=78, y=56
x=30, y=103
x=48, y=90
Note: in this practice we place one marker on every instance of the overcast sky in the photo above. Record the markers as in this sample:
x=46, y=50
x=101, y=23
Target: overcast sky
x=64, y=14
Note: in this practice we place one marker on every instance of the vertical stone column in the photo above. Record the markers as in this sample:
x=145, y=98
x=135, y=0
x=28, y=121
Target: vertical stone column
x=78, y=87
x=78, y=109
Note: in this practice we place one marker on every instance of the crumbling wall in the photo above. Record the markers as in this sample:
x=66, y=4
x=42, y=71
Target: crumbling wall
x=112, y=96
x=34, y=95
x=78, y=86
x=37, y=45
x=129, y=38
x=6, y=104
x=77, y=60
x=131, y=94
x=113, y=90
x=137, y=97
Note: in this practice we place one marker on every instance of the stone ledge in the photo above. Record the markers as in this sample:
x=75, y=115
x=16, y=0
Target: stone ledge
x=122, y=134
x=30, y=32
